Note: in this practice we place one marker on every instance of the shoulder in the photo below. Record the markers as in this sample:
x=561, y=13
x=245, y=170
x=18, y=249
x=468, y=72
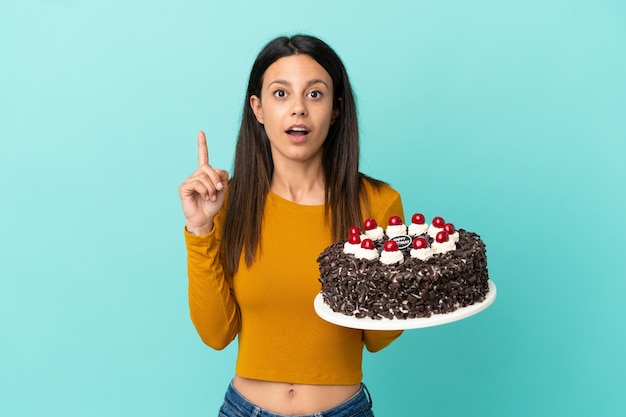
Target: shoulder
x=376, y=189
x=379, y=199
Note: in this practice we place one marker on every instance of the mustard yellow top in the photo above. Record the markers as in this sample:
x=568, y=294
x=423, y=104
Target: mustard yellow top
x=269, y=306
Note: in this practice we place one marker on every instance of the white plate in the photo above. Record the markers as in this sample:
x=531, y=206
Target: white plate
x=324, y=311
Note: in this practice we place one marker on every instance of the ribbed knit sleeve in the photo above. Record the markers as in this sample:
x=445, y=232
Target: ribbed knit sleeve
x=213, y=308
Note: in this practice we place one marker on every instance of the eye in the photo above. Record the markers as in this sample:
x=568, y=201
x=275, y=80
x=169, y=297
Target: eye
x=280, y=93
x=315, y=94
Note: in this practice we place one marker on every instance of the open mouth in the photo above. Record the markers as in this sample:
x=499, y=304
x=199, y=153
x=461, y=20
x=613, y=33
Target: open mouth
x=298, y=131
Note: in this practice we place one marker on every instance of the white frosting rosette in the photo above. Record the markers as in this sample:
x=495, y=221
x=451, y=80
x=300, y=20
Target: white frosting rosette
x=443, y=247
x=351, y=247
x=375, y=234
x=396, y=230
x=369, y=254
x=352, y=244
x=391, y=257
x=422, y=254
x=395, y=227
x=453, y=234
x=373, y=231
x=367, y=250
x=418, y=229
x=432, y=231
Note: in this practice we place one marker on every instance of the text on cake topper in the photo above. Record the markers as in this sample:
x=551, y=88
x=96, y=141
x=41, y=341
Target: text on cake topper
x=403, y=241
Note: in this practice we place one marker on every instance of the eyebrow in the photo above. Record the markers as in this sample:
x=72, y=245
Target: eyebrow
x=308, y=84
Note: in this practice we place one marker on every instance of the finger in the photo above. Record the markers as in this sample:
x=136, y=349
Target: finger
x=200, y=186
x=223, y=176
x=215, y=175
x=203, y=150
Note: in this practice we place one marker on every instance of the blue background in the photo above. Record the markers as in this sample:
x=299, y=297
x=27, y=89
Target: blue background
x=505, y=117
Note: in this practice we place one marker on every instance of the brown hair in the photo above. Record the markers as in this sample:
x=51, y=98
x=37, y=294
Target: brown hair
x=253, y=167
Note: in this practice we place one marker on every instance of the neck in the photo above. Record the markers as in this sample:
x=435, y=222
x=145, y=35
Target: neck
x=300, y=184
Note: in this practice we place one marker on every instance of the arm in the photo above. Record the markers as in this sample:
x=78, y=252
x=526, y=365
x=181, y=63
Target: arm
x=384, y=203
x=214, y=311
x=376, y=340
x=213, y=308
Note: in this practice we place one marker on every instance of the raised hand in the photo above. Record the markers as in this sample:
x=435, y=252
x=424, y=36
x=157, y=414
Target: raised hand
x=202, y=193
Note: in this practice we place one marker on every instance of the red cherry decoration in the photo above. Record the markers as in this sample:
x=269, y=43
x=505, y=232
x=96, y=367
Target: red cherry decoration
x=355, y=230
x=420, y=243
x=442, y=237
x=438, y=222
x=354, y=239
x=418, y=218
x=370, y=224
x=395, y=221
x=367, y=244
x=449, y=228
x=391, y=246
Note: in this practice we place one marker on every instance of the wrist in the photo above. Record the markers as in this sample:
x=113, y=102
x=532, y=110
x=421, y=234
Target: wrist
x=198, y=231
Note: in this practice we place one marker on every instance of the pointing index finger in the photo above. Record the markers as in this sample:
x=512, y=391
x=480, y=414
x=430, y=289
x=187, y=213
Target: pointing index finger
x=203, y=150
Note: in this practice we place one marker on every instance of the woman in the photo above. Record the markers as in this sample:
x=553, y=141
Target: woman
x=253, y=240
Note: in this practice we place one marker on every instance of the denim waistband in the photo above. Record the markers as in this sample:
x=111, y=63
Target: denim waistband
x=359, y=402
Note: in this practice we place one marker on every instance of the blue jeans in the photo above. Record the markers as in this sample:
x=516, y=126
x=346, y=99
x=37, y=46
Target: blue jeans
x=236, y=405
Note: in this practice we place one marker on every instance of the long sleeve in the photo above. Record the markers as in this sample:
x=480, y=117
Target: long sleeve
x=213, y=308
x=376, y=340
x=382, y=206
x=268, y=306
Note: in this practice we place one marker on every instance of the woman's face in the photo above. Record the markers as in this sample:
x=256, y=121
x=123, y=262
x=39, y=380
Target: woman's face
x=296, y=107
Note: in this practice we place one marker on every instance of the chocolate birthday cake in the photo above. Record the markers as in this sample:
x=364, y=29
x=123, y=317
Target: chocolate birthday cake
x=404, y=272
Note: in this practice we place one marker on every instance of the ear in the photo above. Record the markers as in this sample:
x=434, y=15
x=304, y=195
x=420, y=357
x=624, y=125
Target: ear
x=255, y=104
x=336, y=111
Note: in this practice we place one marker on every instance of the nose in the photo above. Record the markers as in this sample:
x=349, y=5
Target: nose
x=299, y=107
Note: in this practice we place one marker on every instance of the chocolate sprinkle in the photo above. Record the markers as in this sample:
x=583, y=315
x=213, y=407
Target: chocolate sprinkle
x=413, y=289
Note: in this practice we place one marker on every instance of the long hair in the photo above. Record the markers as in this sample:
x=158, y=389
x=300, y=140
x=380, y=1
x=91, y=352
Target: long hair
x=253, y=167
